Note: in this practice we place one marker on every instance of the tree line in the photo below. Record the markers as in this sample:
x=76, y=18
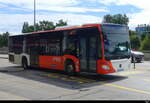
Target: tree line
x=26, y=28
x=138, y=43
x=42, y=25
x=4, y=39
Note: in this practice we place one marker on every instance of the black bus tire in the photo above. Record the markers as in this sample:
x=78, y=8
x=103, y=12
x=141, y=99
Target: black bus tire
x=70, y=68
x=24, y=63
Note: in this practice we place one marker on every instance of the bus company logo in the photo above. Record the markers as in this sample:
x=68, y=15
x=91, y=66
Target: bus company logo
x=53, y=65
x=57, y=59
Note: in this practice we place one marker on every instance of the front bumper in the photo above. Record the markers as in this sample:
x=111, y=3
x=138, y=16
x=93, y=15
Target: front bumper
x=139, y=58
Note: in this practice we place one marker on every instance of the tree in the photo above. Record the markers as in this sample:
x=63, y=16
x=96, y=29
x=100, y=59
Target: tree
x=145, y=45
x=4, y=39
x=61, y=23
x=30, y=29
x=42, y=25
x=135, y=41
x=108, y=19
x=25, y=27
x=143, y=36
x=46, y=25
x=116, y=19
x=6, y=36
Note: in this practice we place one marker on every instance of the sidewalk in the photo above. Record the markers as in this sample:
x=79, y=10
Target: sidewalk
x=6, y=66
x=4, y=56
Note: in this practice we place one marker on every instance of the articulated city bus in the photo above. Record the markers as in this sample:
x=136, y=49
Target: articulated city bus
x=92, y=48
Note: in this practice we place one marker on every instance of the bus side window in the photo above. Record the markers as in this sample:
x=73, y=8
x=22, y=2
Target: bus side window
x=70, y=42
x=53, y=47
x=17, y=45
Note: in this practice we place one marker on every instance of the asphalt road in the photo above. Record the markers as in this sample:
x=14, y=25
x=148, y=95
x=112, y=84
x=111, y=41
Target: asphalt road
x=39, y=84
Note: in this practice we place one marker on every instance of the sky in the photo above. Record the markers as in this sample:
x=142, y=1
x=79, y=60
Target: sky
x=13, y=13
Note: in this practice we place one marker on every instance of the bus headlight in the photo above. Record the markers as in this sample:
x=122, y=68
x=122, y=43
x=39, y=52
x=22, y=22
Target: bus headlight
x=105, y=67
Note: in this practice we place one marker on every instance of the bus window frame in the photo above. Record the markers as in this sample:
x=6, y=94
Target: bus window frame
x=45, y=36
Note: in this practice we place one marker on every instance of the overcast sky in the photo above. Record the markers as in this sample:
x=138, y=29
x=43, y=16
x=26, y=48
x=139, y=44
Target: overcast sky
x=13, y=13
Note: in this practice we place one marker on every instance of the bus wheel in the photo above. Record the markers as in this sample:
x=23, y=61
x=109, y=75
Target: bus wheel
x=24, y=63
x=69, y=67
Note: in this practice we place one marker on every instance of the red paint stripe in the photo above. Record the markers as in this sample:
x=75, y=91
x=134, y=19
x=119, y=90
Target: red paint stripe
x=67, y=28
x=102, y=40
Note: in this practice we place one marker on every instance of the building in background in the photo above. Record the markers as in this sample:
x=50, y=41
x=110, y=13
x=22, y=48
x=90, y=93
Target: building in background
x=143, y=29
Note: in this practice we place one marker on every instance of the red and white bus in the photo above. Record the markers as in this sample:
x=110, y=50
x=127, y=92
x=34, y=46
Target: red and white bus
x=92, y=48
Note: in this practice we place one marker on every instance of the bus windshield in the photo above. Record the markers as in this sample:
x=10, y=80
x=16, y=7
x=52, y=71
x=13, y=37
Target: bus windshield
x=116, y=41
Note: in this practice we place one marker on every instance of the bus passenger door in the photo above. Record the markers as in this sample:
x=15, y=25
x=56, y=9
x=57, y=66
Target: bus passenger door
x=88, y=53
x=34, y=57
x=92, y=53
x=83, y=54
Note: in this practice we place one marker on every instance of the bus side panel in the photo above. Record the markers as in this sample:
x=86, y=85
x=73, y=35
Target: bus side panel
x=101, y=70
x=75, y=60
x=51, y=62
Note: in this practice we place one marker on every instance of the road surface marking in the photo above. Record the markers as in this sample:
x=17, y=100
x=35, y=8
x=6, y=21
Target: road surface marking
x=74, y=79
x=126, y=88
x=130, y=73
x=147, y=80
x=53, y=76
x=83, y=80
x=58, y=74
x=66, y=76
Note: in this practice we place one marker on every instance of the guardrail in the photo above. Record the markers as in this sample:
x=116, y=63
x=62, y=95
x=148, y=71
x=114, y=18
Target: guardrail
x=147, y=56
x=4, y=50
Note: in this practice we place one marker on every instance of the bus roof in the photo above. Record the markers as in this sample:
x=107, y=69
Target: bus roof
x=59, y=29
x=111, y=24
x=70, y=28
x=67, y=28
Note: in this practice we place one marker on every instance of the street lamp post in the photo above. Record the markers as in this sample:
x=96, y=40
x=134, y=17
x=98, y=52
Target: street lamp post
x=34, y=15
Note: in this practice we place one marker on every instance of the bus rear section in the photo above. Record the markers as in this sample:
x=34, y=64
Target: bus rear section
x=93, y=48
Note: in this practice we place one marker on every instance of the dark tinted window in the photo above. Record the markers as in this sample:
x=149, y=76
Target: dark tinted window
x=73, y=41
x=45, y=44
x=92, y=35
x=92, y=46
x=16, y=44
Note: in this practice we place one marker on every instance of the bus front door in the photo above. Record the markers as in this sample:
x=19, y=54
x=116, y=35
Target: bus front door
x=83, y=55
x=92, y=53
x=88, y=54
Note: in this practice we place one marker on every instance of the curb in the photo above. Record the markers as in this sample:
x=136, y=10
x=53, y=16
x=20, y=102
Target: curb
x=13, y=69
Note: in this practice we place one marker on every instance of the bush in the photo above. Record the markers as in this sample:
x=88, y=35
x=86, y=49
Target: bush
x=145, y=45
x=143, y=36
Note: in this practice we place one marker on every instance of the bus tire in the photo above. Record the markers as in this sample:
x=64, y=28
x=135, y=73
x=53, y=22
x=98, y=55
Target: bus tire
x=70, y=68
x=25, y=63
